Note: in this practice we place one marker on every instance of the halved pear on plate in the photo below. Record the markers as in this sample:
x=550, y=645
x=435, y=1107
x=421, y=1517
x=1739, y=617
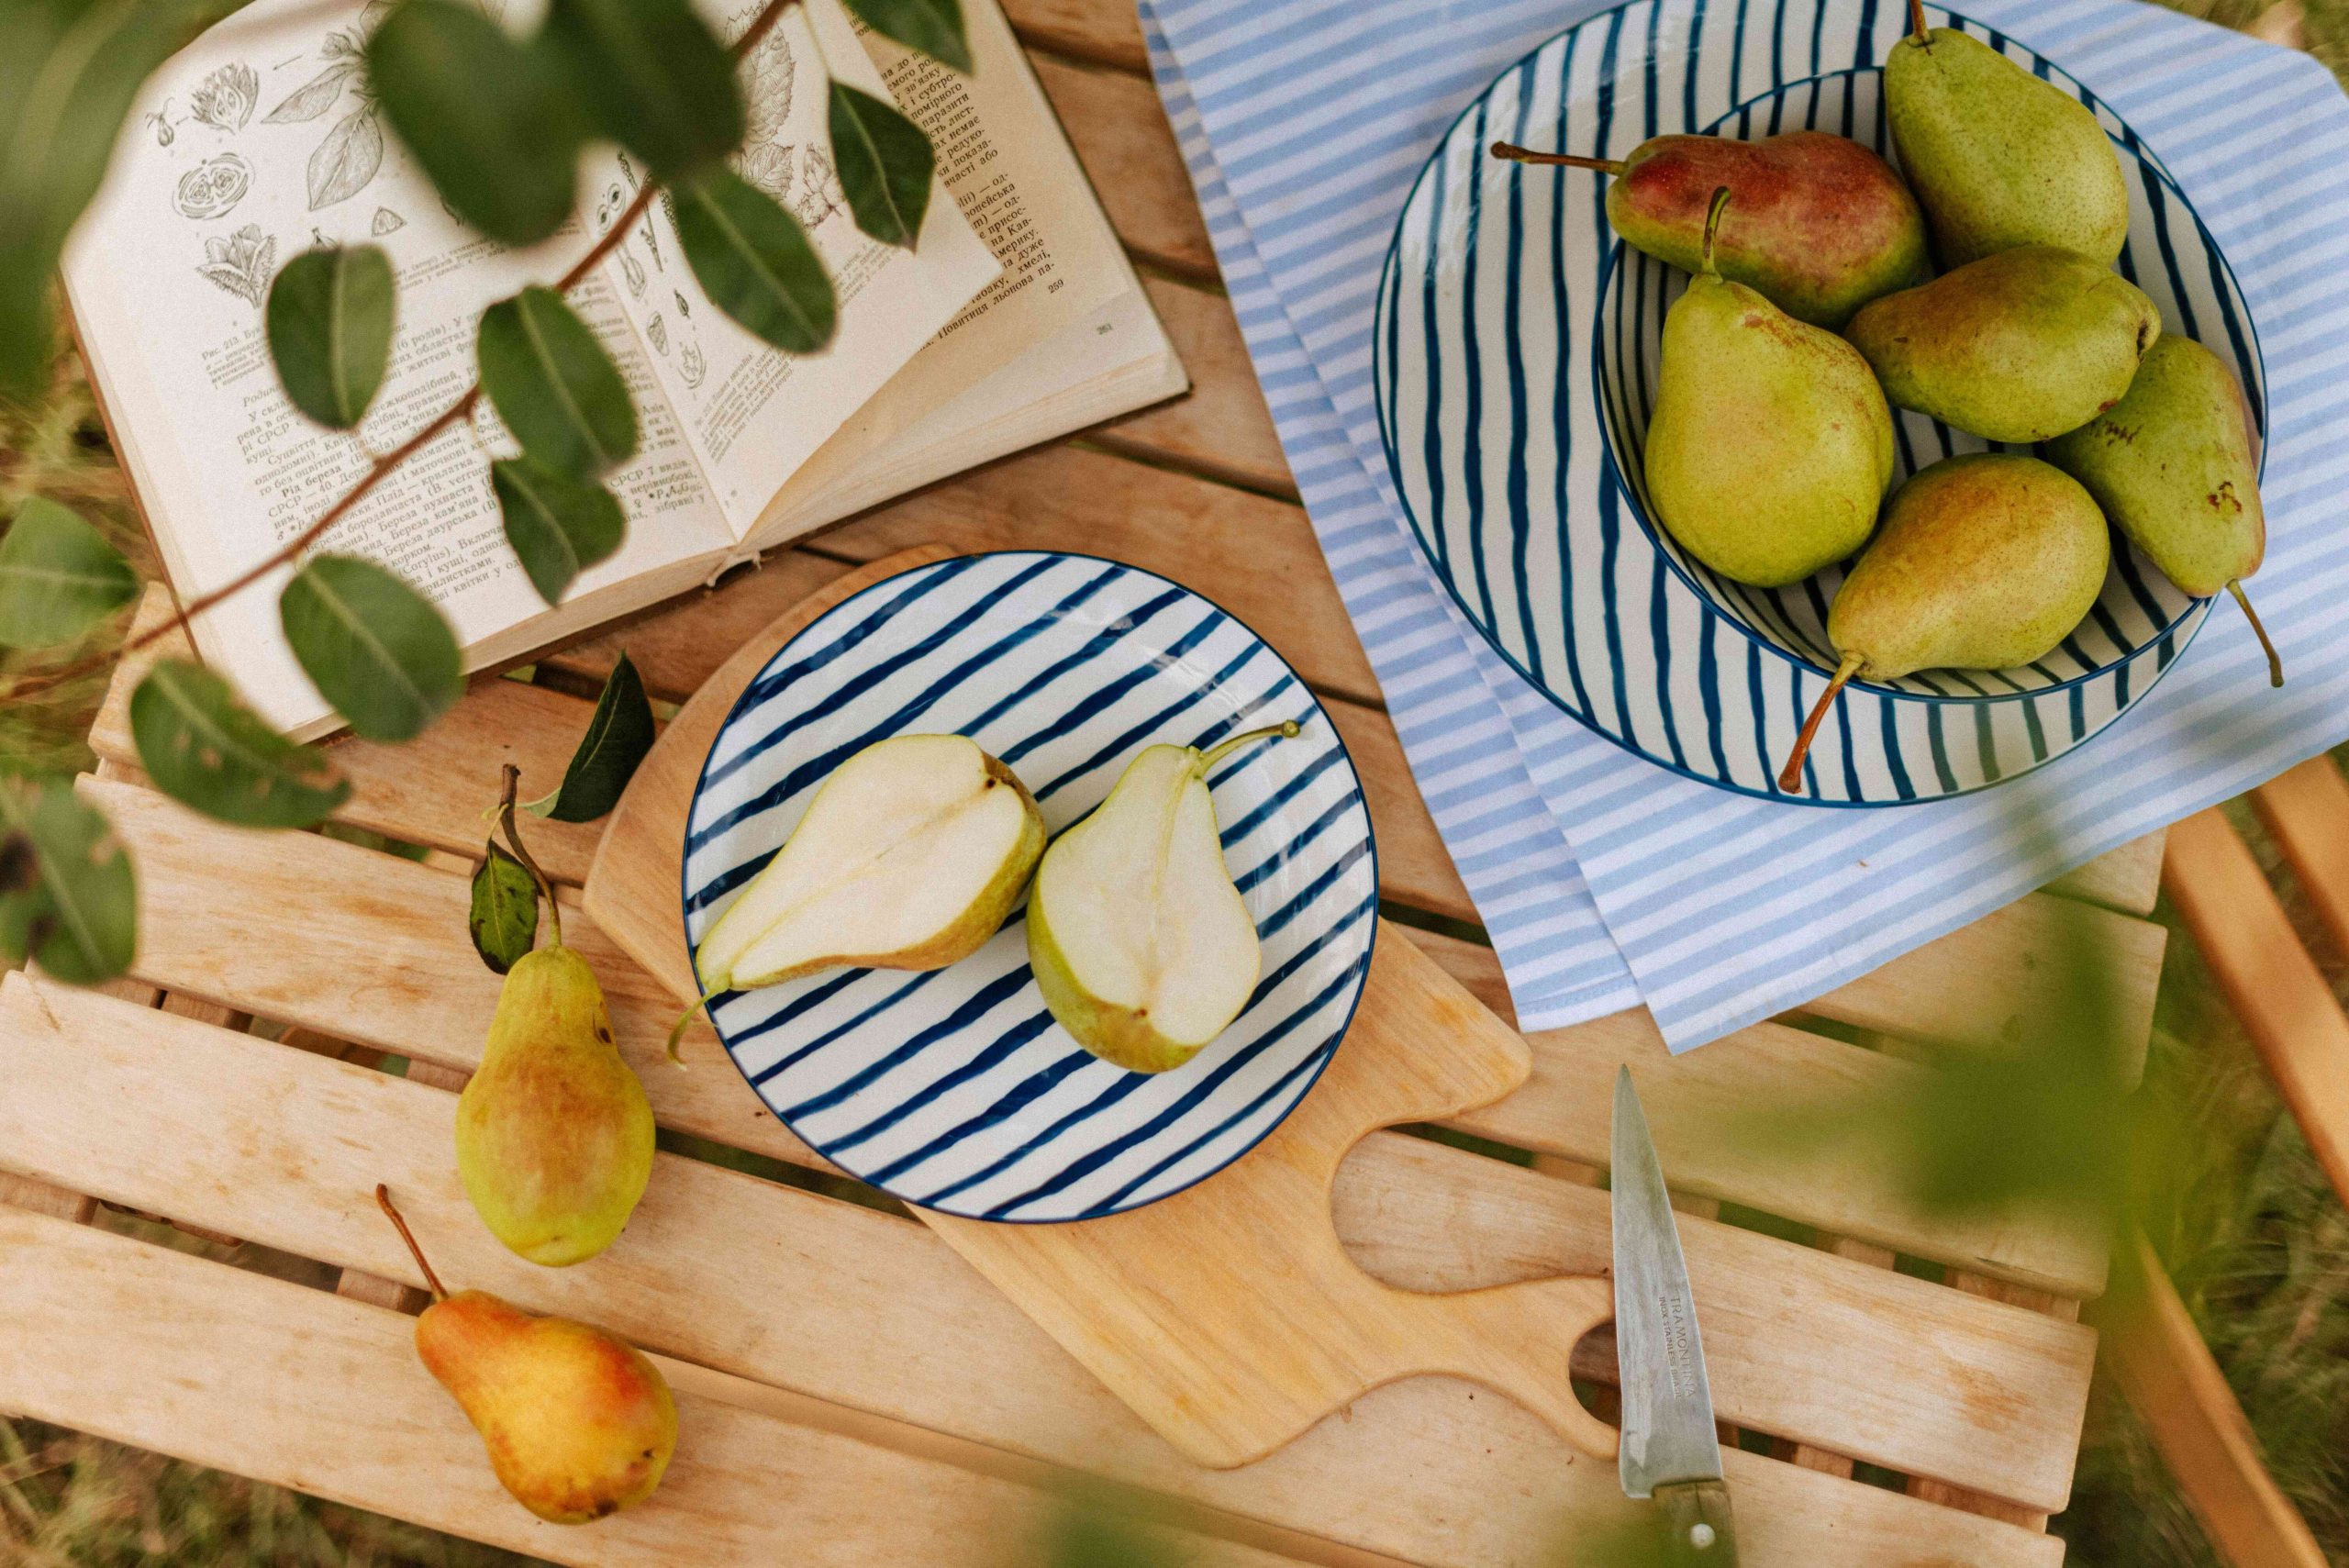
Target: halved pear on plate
x=1140, y=944
x=910, y=856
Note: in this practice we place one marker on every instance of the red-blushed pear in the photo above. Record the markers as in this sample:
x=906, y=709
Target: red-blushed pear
x=1140, y=944
x=1984, y=562
x=578, y=1423
x=1819, y=224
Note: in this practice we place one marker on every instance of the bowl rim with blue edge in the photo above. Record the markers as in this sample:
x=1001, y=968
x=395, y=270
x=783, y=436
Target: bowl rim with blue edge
x=1355, y=977
x=1732, y=740
x=2195, y=609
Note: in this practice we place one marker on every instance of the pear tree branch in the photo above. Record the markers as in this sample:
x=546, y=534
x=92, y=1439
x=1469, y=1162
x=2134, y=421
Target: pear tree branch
x=383, y=468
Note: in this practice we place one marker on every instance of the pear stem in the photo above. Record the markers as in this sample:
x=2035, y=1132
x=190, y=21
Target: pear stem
x=1511, y=152
x=1790, y=776
x=677, y=1030
x=2275, y=662
x=1922, y=33
x=1712, y=227
x=1286, y=730
x=383, y=1200
x=514, y=842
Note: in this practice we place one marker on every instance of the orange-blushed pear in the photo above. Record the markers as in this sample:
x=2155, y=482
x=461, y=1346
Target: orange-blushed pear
x=578, y=1423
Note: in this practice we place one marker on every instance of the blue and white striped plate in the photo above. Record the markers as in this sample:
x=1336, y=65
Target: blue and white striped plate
x=954, y=1089
x=1515, y=362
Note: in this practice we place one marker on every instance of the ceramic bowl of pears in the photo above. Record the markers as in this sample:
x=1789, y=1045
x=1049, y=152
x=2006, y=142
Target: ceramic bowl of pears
x=1904, y=418
x=1029, y=887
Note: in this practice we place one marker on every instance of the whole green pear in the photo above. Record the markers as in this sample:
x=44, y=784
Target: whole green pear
x=1984, y=562
x=2022, y=346
x=578, y=1423
x=2172, y=465
x=1770, y=445
x=1998, y=158
x=1819, y=224
x=555, y=1135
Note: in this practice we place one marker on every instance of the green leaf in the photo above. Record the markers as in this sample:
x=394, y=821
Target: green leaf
x=652, y=77
x=204, y=747
x=59, y=577
x=67, y=896
x=375, y=647
x=752, y=258
x=70, y=70
x=486, y=117
x=884, y=163
x=556, y=524
x=933, y=26
x=617, y=737
x=505, y=916
x=330, y=331
x=554, y=385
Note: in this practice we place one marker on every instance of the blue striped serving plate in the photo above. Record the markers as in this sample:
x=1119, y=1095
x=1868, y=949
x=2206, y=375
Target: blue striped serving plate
x=1515, y=362
x=954, y=1090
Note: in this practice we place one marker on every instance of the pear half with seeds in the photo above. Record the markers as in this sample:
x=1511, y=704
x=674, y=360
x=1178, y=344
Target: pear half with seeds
x=1140, y=943
x=909, y=857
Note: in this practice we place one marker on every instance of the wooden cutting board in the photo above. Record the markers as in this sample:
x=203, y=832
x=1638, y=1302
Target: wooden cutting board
x=1229, y=1316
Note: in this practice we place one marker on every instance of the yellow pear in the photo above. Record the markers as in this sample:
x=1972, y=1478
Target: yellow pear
x=578, y=1423
x=555, y=1135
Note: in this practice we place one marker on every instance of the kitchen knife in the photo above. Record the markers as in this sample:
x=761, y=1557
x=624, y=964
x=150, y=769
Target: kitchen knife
x=1668, y=1449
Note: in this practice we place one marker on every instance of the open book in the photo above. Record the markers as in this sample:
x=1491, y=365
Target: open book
x=1015, y=319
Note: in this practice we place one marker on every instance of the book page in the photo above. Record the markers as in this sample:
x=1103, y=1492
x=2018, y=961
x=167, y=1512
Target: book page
x=1017, y=182
x=254, y=144
x=753, y=414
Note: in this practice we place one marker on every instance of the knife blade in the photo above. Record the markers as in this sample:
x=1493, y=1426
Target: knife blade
x=1668, y=1451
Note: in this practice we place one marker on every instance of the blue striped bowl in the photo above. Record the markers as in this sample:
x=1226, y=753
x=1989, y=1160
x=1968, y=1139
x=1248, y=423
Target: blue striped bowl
x=1516, y=361
x=954, y=1090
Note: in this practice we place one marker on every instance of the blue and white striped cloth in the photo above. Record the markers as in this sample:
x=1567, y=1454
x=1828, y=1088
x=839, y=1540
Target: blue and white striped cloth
x=1606, y=881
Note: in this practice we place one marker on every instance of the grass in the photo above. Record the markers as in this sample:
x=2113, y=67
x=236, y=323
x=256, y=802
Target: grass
x=2256, y=1240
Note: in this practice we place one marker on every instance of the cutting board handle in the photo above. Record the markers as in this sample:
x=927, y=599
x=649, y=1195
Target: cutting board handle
x=1516, y=1340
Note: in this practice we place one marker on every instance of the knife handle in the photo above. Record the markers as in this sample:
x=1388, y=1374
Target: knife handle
x=1698, y=1530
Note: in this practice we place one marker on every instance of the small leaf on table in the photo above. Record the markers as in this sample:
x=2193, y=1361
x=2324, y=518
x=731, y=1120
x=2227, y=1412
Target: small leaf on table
x=557, y=525
x=752, y=258
x=554, y=385
x=652, y=77
x=59, y=577
x=933, y=26
x=617, y=737
x=486, y=115
x=68, y=899
x=884, y=163
x=375, y=647
x=330, y=331
x=204, y=749
x=505, y=916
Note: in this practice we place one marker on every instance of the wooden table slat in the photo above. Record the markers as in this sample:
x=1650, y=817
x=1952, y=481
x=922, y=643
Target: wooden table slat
x=386, y=963
x=2286, y=1004
x=199, y=1123
x=1106, y=31
x=1121, y=137
x=433, y=790
x=323, y=1393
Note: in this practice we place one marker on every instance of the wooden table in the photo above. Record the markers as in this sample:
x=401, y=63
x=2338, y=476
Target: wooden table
x=852, y=1392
